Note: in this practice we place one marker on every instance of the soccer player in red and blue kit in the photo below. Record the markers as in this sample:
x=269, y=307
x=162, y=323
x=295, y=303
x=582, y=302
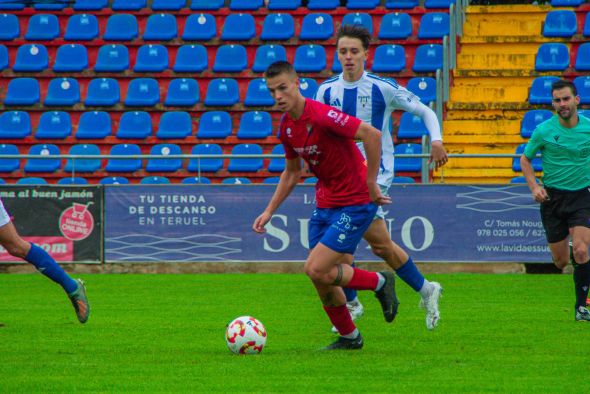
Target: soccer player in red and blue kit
x=347, y=197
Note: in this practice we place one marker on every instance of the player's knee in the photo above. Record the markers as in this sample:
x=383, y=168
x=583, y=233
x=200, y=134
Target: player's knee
x=381, y=250
x=581, y=253
x=313, y=272
x=560, y=263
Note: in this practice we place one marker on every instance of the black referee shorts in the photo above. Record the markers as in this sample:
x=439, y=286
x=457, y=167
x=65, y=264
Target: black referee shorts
x=564, y=210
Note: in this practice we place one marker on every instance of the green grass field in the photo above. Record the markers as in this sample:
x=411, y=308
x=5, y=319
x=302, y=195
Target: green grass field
x=165, y=333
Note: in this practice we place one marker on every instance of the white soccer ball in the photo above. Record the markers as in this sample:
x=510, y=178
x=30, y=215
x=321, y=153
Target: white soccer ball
x=245, y=335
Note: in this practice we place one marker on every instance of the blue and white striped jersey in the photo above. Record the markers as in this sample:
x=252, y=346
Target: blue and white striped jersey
x=372, y=99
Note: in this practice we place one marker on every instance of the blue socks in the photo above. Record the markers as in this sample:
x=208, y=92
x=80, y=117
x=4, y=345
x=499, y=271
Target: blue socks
x=350, y=293
x=409, y=273
x=48, y=267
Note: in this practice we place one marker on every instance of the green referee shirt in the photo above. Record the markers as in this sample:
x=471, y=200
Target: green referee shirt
x=565, y=153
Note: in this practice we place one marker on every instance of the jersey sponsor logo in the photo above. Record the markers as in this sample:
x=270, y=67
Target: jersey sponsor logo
x=332, y=114
x=363, y=100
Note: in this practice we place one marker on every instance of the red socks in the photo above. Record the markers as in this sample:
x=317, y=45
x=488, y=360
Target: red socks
x=340, y=318
x=363, y=280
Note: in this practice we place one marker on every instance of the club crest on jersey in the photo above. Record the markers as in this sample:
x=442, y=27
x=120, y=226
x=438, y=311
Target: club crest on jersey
x=288, y=131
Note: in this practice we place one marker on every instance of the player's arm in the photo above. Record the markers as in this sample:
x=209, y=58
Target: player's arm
x=371, y=138
x=438, y=153
x=539, y=193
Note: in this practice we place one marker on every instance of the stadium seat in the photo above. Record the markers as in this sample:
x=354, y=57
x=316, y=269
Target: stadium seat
x=114, y=180
x=191, y=58
x=566, y=3
x=522, y=179
x=257, y=94
x=284, y=4
x=15, y=124
x=389, y=58
x=395, y=26
x=112, y=58
x=251, y=5
x=206, y=164
x=193, y=180
x=586, y=31
x=4, y=61
x=407, y=164
x=164, y=165
x=308, y=87
x=271, y=180
x=143, y=92
x=128, y=5
x=124, y=165
x=266, y=55
x=33, y=180
x=103, y=92
x=536, y=162
x=230, y=58
x=532, y=119
x=73, y=181
x=214, y=124
x=200, y=27
x=161, y=27
x=12, y=6
x=236, y=181
x=94, y=125
x=238, y=27
x=277, y=164
x=404, y=4
x=136, y=125
x=255, y=124
x=31, y=57
x=552, y=56
x=62, y=92
x=42, y=27
x=154, y=180
x=22, y=91
x=540, y=92
x=560, y=23
x=362, y=4
x=238, y=164
x=322, y=4
x=173, y=5
x=438, y=3
x=9, y=27
x=9, y=165
x=584, y=112
x=151, y=58
x=71, y=58
x=582, y=84
x=312, y=180
x=277, y=27
x=182, y=92
x=583, y=57
x=317, y=26
x=411, y=127
x=54, y=125
x=206, y=4
x=357, y=18
x=121, y=27
x=83, y=165
x=428, y=58
x=174, y=124
x=43, y=165
x=434, y=25
x=82, y=27
x=222, y=92
x=336, y=66
x=403, y=179
x=423, y=87
x=94, y=5
x=310, y=58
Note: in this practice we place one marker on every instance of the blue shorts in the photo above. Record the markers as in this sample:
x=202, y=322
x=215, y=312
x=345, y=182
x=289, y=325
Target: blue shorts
x=340, y=229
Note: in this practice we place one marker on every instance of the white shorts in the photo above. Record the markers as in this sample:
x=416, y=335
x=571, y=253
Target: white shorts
x=4, y=218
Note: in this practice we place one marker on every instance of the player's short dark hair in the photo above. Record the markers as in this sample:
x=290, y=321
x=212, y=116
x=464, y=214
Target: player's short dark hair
x=564, y=83
x=278, y=68
x=354, y=31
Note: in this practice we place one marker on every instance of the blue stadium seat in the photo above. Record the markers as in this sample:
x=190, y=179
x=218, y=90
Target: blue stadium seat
x=124, y=165
x=54, y=125
x=362, y=4
x=9, y=165
x=532, y=119
x=284, y=4
x=214, y=124
x=423, y=87
x=268, y=54
x=143, y=92
x=161, y=27
x=566, y=3
x=58, y=5
x=151, y=58
x=121, y=27
x=586, y=31
x=128, y=5
x=4, y=61
x=12, y=6
x=94, y=125
x=200, y=27
x=258, y=94
x=238, y=164
x=230, y=58
x=193, y=180
x=103, y=92
x=560, y=23
x=428, y=58
x=82, y=27
x=154, y=180
x=71, y=58
x=408, y=164
x=238, y=27
x=15, y=124
x=236, y=181
x=31, y=57
x=174, y=5
x=434, y=25
x=552, y=56
x=584, y=112
x=43, y=165
x=540, y=92
x=336, y=66
x=174, y=124
x=359, y=18
x=83, y=165
x=22, y=91
x=206, y=164
x=222, y=92
x=251, y=5
x=403, y=4
x=582, y=84
x=521, y=179
x=277, y=27
x=389, y=58
x=411, y=127
x=94, y=5
x=308, y=87
x=164, y=165
x=277, y=164
x=42, y=27
x=9, y=27
x=206, y=4
x=63, y=92
x=403, y=179
x=112, y=58
x=583, y=57
x=317, y=26
x=114, y=180
x=255, y=124
x=271, y=180
x=312, y=180
x=536, y=162
x=73, y=181
x=32, y=180
x=136, y=125
x=323, y=4
x=438, y=3
x=191, y=58
x=182, y=92
x=395, y=26
x=310, y=58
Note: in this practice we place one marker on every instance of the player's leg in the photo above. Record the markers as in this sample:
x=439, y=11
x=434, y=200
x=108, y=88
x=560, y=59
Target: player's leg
x=581, y=241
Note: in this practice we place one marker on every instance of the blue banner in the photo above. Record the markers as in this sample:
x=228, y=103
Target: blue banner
x=208, y=223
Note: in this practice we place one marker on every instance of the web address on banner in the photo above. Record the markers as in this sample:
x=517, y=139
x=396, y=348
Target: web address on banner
x=513, y=248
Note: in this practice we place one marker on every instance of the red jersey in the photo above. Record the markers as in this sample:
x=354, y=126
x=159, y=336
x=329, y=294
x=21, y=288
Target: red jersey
x=324, y=137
